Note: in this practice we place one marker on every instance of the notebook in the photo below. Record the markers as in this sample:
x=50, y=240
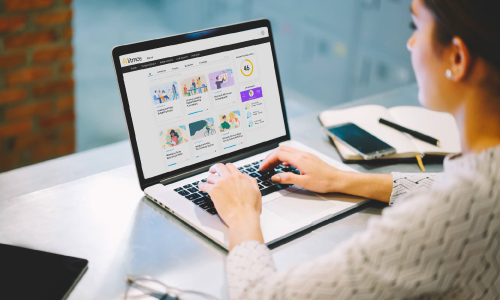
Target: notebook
x=441, y=126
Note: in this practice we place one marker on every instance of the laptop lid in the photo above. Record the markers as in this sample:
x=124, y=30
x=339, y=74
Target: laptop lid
x=199, y=98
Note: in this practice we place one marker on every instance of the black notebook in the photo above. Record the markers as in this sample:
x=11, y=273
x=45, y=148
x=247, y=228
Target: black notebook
x=32, y=274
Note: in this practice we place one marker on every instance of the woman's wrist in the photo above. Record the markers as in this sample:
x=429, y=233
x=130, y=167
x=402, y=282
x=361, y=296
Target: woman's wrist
x=244, y=227
x=341, y=181
x=373, y=186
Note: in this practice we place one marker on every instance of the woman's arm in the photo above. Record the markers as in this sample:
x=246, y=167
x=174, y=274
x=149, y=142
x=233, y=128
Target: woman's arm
x=318, y=176
x=403, y=254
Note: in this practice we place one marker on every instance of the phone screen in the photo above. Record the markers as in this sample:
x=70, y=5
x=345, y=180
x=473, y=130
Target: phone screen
x=359, y=139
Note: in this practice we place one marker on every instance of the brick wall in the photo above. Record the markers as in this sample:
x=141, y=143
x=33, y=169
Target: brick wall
x=36, y=82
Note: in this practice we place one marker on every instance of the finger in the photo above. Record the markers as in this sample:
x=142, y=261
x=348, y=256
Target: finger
x=284, y=148
x=213, y=178
x=289, y=149
x=252, y=180
x=232, y=168
x=219, y=169
x=205, y=186
x=288, y=178
x=279, y=157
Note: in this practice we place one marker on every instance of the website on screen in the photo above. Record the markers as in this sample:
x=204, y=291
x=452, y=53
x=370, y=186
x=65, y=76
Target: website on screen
x=198, y=100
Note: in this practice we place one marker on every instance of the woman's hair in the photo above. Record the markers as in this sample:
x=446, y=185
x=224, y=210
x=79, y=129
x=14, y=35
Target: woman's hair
x=174, y=132
x=475, y=21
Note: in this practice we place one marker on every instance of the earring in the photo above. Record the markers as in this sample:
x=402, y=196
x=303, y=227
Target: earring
x=449, y=75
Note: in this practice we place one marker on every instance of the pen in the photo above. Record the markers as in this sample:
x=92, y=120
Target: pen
x=413, y=133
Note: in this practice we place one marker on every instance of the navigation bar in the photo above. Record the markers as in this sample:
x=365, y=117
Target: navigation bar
x=197, y=54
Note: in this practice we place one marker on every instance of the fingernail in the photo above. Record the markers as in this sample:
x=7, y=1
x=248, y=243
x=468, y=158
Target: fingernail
x=276, y=178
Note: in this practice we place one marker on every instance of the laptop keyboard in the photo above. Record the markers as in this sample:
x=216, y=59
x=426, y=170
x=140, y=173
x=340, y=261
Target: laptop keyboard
x=266, y=186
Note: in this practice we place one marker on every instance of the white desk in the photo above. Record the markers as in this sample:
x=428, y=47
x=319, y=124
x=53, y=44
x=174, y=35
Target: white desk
x=90, y=205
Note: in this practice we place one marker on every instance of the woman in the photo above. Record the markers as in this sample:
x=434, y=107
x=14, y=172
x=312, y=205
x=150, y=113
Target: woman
x=440, y=242
x=174, y=137
x=164, y=96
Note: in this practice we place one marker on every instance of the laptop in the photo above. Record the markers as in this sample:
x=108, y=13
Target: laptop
x=214, y=96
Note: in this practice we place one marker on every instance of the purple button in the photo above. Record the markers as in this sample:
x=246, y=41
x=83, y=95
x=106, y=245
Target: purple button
x=248, y=95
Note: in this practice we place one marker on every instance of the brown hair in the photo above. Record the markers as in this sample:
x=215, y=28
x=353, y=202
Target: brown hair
x=475, y=21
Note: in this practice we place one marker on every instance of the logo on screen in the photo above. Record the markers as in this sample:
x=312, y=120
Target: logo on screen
x=131, y=60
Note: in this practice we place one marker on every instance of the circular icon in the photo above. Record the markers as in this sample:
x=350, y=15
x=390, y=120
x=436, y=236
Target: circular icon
x=250, y=93
x=246, y=67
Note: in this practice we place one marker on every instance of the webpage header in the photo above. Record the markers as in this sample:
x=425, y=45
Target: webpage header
x=180, y=50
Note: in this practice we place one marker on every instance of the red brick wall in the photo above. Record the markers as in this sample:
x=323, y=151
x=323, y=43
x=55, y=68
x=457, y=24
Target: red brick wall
x=36, y=82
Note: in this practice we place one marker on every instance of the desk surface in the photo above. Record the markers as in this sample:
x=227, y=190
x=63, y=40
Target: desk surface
x=90, y=205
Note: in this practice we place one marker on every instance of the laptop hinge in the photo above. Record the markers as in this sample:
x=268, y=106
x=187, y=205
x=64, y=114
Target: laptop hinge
x=206, y=167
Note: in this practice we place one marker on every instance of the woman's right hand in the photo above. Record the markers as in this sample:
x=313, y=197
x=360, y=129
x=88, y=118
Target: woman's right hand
x=315, y=174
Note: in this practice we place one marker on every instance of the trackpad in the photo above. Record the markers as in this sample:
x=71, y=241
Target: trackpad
x=298, y=205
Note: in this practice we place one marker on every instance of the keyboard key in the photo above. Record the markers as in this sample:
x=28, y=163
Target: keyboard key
x=286, y=170
x=203, y=193
x=212, y=211
x=178, y=189
x=264, y=177
x=206, y=205
x=200, y=200
x=269, y=190
x=247, y=166
x=187, y=186
x=254, y=175
x=193, y=190
x=256, y=163
x=282, y=186
x=204, y=180
x=240, y=168
x=193, y=196
x=251, y=170
x=195, y=183
x=279, y=167
x=296, y=172
x=183, y=192
x=267, y=183
x=261, y=186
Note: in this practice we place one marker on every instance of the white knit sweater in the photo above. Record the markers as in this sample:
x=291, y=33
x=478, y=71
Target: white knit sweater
x=440, y=241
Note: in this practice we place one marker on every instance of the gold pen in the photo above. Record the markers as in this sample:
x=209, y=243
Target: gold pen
x=420, y=163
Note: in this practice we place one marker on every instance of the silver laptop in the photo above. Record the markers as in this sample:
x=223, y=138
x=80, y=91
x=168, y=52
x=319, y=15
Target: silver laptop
x=211, y=96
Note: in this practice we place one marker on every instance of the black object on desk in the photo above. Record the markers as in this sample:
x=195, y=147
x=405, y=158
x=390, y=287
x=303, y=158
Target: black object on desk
x=33, y=274
x=413, y=133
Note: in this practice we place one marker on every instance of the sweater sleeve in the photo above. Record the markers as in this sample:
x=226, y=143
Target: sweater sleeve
x=404, y=183
x=379, y=263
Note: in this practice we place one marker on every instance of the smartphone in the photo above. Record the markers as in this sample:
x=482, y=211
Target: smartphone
x=359, y=140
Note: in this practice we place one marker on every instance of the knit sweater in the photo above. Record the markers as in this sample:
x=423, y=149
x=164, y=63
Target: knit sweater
x=440, y=240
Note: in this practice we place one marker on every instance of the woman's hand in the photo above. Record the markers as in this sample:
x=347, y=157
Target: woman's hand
x=318, y=176
x=238, y=201
x=315, y=174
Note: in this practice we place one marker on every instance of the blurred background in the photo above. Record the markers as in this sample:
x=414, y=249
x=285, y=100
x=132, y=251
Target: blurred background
x=58, y=92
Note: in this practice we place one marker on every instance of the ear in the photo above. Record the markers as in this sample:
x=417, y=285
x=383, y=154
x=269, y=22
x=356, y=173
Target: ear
x=460, y=59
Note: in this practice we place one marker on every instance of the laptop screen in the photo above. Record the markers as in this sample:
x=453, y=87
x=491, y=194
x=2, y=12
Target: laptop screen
x=201, y=99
